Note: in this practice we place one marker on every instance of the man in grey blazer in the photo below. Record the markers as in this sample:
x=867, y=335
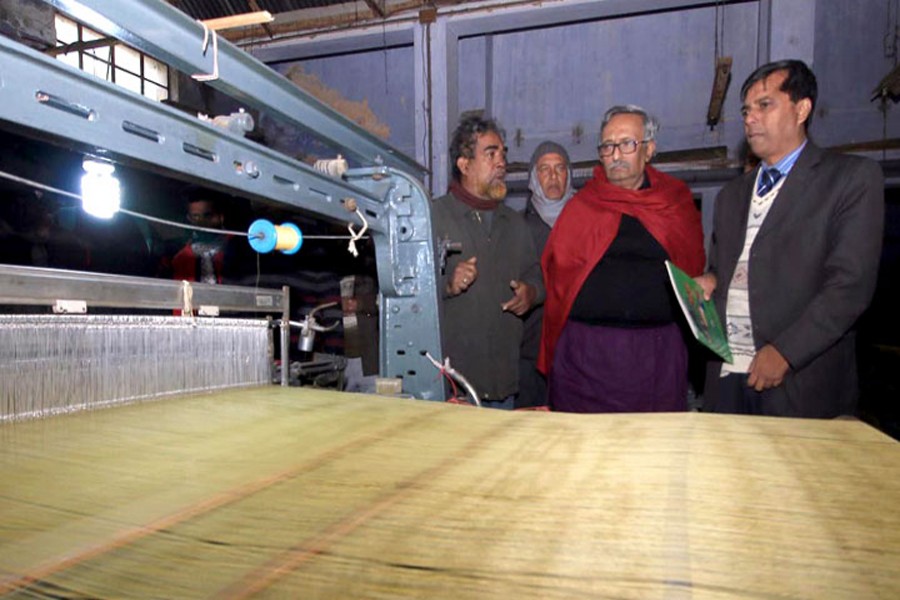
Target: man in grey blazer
x=794, y=259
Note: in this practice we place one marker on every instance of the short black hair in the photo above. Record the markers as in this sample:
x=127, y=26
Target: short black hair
x=465, y=138
x=195, y=193
x=800, y=82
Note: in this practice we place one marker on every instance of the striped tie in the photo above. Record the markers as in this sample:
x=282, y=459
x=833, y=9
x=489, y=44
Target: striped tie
x=767, y=180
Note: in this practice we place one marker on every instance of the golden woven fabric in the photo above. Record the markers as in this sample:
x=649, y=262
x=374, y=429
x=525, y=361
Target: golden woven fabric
x=298, y=493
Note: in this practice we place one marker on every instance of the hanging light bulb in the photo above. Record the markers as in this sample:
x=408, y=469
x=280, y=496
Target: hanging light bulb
x=100, y=193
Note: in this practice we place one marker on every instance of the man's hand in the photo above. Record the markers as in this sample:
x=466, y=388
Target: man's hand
x=708, y=282
x=464, y=275
x=767, y=369
x=523, y=299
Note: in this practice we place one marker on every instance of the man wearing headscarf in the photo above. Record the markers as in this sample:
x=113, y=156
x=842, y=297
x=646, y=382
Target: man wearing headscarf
x=550, y=182
x=611, y=340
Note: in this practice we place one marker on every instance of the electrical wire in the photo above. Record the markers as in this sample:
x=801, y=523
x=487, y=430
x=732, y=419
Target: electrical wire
x=452, y=374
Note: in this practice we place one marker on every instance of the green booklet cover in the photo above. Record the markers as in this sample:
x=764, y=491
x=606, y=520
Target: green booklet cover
x=701, y=314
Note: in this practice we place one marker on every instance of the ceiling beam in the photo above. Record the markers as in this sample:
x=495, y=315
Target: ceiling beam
x=242, y=20
x=377, y=7
x=254, y=5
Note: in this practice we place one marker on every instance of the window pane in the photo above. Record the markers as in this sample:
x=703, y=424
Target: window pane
x=103, y=53
x=70, y=59
x=156, y=71
x=155, y=92
x=89, y=34
x=128, y=81
x=66, y=30
x=113, y=59
x=97, y=67
x=128, y=59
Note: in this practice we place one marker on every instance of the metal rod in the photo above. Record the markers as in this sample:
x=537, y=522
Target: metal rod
x=285, y=336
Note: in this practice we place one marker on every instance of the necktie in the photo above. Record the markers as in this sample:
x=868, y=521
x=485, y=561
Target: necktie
x=767, y=180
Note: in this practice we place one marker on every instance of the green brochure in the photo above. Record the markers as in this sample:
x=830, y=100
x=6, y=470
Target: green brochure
x=701, y=314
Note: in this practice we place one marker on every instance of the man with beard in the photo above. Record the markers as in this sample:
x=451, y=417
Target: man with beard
x=550, y=182
x=794, y=259
x=611, y=342
x=495, y=279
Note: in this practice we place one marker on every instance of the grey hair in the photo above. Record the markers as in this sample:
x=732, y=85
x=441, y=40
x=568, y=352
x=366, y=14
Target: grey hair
x=651, y=123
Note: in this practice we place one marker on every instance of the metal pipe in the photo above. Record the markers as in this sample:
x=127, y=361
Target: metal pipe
x=285, y=336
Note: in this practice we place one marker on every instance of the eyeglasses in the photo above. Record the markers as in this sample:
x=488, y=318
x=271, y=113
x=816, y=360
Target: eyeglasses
x=625, y=147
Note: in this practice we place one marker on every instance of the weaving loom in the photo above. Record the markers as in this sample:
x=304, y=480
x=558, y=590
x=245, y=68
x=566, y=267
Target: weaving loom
x=51, y=364
x=301, y=493
x=381, y=194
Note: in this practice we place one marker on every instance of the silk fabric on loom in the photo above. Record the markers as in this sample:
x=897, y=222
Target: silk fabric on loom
x=301, y=493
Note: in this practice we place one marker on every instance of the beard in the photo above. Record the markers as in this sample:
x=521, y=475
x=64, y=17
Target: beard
x=495, y=190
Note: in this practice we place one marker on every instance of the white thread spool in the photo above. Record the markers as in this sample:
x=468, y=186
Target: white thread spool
x=334, y=167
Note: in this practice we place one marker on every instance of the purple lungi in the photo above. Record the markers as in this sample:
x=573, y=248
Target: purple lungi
x=612, y=369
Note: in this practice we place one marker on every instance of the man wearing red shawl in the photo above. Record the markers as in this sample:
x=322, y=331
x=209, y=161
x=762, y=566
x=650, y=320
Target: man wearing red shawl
x=611, y=340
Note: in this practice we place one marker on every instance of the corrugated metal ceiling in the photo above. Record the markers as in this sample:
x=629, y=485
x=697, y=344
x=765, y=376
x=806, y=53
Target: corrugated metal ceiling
x=211, y=9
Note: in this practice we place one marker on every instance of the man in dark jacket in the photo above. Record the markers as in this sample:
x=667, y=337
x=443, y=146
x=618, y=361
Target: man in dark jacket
x=550, y=182
x=794, y=259
x=495, y=279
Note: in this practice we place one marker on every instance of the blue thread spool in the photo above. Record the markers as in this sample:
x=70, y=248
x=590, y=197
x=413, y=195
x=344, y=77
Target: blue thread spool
x=264, y=237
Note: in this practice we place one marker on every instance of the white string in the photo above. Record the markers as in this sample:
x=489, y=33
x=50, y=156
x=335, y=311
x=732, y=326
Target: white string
x=132, y=213
x=354, y=237
x=39, y=186
x=215, y=44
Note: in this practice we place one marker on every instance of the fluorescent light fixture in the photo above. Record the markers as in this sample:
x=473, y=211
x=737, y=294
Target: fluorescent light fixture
x=100, y=192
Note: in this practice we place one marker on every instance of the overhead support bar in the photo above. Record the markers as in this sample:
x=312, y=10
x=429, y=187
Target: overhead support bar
x=169, y=35
x=44, y=287
x=57, y=98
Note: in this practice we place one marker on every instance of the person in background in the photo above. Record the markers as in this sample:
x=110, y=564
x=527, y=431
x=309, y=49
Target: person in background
x=495, y=279
x=611, y=336
x=550, y=182
x=202, y=259
x=794, y=259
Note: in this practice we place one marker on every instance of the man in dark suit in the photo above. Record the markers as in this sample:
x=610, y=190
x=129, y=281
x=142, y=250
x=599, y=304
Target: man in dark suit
x=794, y=259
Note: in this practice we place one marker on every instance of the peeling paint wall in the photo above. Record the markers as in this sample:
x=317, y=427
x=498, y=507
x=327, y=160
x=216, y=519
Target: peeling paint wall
x=555, y=82
x=373, y=89
x=357, y=111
